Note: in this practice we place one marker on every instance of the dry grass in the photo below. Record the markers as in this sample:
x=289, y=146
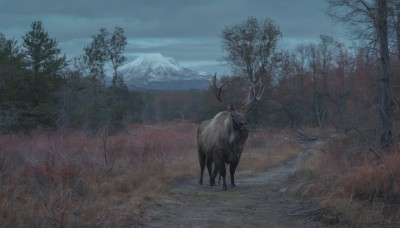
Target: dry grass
x=347, y=177
x=73, y=179
x=267, y=148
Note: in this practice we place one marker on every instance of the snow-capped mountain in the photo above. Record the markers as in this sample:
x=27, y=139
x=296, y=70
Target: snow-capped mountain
x=154, y=71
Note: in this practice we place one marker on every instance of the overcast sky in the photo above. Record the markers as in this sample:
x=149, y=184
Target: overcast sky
x=186, y=30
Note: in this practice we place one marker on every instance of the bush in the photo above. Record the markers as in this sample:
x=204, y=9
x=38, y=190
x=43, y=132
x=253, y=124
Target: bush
x=373, y=180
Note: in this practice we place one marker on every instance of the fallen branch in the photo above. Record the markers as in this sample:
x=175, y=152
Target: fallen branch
x=375, y=152
x=304, y=137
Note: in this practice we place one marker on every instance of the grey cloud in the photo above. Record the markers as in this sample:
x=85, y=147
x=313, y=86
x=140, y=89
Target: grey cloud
x=186, y=30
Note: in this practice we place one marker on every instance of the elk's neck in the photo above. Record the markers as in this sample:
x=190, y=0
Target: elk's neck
x=238, y=135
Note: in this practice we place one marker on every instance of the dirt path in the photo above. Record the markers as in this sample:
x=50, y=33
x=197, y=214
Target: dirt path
x=262, y=199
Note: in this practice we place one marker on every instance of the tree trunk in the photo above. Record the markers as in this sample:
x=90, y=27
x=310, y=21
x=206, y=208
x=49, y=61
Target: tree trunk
x=397, y=24
x=386, y=96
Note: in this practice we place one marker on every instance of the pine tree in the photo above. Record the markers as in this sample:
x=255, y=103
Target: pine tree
x=13, y=85
x=44, y=62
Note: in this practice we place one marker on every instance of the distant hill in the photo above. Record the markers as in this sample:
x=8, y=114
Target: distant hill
x=154, y=71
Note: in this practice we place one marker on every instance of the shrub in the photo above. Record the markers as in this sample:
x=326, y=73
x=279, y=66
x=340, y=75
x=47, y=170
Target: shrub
x=371, y=180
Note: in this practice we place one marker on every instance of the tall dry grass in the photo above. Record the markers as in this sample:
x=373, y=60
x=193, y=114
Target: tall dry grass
x=346, y=175
x=59, y=179
x=73, y=179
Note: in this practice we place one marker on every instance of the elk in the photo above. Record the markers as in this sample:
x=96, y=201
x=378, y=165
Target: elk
x=221, y=139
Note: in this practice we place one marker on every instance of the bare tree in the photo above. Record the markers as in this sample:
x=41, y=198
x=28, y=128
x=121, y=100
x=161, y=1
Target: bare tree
x=106, y=47
x=394, y=25
x=113, y=45
x=251, y=47
x=370, y=20
x=326, y=48
x=301, y=65
x=313, y=56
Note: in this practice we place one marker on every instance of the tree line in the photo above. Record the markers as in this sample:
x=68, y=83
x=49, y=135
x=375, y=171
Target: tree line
x=350, y=86
x=329, y=83
x=39, y=88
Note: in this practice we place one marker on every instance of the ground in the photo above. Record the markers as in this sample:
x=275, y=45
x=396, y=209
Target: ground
x=260, y=199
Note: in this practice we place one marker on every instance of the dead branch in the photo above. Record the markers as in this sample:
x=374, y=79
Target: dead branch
x=307, y=138
x=375, y=152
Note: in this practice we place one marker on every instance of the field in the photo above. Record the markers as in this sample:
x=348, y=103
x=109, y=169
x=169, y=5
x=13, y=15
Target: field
x=137, y=177
x=77, y=179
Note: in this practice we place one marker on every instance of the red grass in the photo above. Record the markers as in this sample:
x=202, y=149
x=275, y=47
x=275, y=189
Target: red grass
x=348, y=177
x=371, y=180
x=74, y=179
x=61, y=178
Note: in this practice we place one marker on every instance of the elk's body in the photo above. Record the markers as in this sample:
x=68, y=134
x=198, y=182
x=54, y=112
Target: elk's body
x=221, y=140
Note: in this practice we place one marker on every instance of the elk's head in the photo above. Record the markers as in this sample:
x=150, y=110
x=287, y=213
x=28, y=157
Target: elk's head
x=238, y=114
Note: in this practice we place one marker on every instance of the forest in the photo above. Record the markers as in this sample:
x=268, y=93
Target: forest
x=41, y=89
x=350, y=87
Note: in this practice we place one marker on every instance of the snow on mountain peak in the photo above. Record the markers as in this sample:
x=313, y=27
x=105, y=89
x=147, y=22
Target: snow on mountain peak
x=154, y=68
x=153, y=61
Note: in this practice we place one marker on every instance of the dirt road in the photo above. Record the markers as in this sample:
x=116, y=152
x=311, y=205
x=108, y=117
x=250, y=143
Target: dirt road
x=263, y=199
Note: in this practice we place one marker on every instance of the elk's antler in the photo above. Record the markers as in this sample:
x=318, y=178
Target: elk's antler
x=217, y=89
x=253, y=95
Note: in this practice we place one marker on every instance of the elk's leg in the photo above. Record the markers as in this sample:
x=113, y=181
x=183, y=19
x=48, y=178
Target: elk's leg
x=202, y=160
x=209, y=165
x=232, y=169
x=223, y=175
x=216, y=171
